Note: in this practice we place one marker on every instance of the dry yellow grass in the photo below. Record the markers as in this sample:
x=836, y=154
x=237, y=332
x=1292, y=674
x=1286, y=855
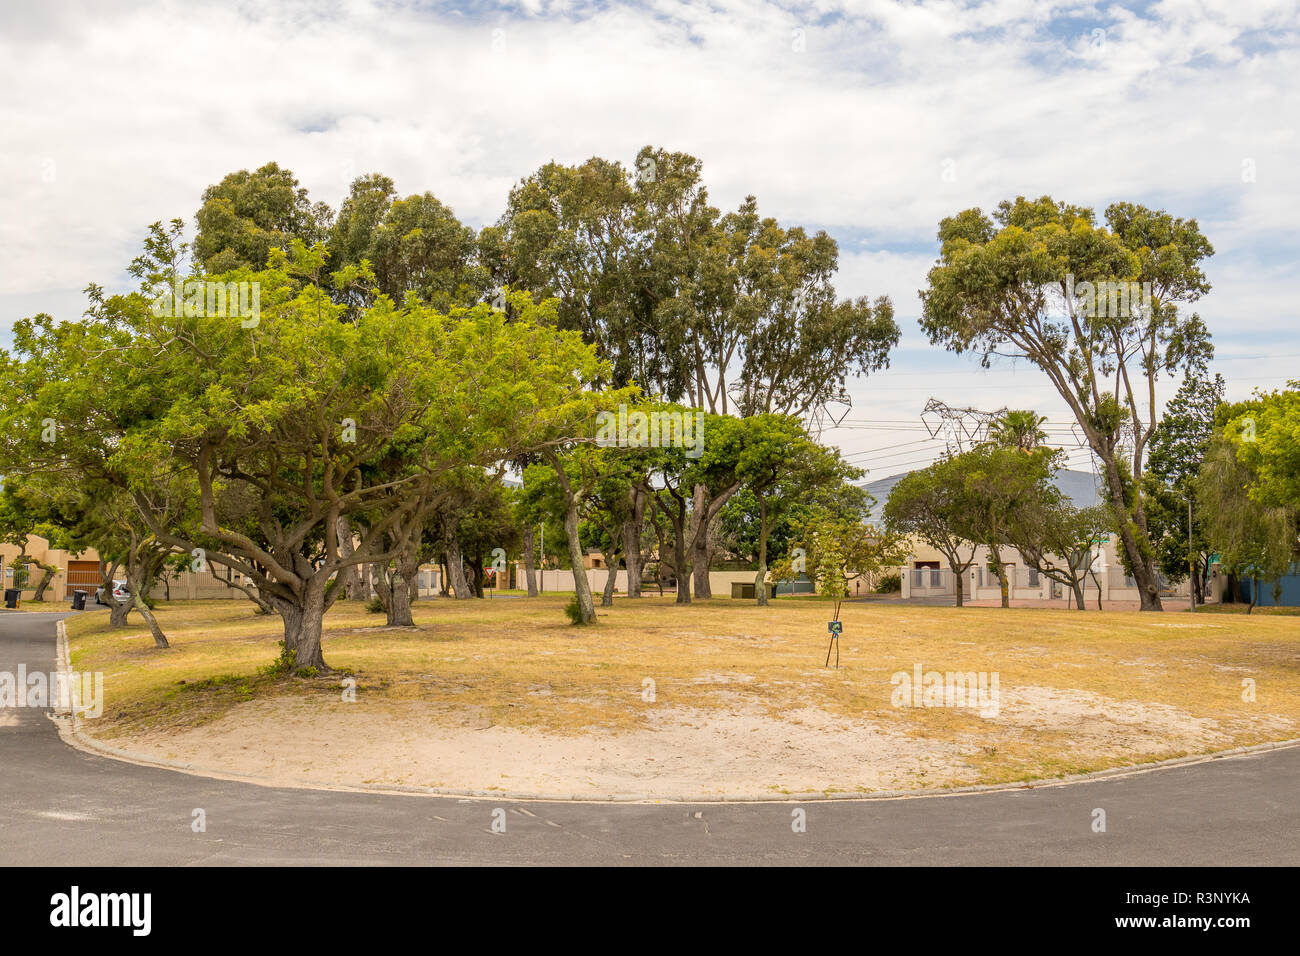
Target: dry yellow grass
x=519, y=663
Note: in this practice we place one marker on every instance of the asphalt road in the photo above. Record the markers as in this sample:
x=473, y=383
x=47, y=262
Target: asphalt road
x=60, y=806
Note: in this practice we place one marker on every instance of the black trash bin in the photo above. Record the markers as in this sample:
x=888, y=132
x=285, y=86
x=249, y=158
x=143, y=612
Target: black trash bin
x=11, y=597
x=78, y=600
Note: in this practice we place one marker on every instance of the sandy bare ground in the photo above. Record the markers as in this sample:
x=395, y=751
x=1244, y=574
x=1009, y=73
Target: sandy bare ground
x=685, y=753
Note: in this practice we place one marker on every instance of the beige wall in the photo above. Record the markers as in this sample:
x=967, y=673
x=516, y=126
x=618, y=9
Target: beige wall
x=38, y=547
x=1109, y=573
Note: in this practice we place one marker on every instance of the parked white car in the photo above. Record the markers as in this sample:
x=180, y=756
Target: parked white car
x=120, y=593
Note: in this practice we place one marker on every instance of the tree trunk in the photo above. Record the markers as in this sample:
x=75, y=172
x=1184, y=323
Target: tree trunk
x=455, y=567
x=611, y=578
x=381, y=586
x=349, y=577
x=632, y=542
x=582, y=586
x=580, y=583
x=476, y=576
x=530, y=562
x=399, y=606
x=760, y=579
x=47, y=575
x=405, y=567
x=1000, y=569
x=117, y=611
x=1141, y=564
x=1077, y=587
x=681, y=571
x=957, y=577
x=304, y=620
x=137, y=598
x=700, y=545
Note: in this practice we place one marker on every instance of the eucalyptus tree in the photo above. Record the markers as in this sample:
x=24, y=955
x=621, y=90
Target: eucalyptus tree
x=411, y=245
x=723, y=313
x=1095, y=308
x=247, y=214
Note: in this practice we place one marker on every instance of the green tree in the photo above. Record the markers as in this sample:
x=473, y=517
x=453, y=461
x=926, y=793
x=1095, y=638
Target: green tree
x=246, y=215
x=1020, y=429
x=931, y=504
x=1000, y=482
x=1095, y=308
x=27, y=508
x=412, y=245
x=279, y=429
x=1178, y=447
x=1059, y=540
x=489, y=534
x=840, y=547
x=679, y=297
x=1254, y=540
x=1265, y=432
x=123, y=537
x=781, y=465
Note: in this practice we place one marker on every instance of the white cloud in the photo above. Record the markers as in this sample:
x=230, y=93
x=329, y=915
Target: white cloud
x=875, y=121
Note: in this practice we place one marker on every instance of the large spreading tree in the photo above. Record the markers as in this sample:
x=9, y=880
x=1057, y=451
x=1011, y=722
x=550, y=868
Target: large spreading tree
x=1096, y=308
x=283, y=428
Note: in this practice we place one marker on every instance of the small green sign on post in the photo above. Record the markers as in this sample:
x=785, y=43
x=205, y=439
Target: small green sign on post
x=835, y=628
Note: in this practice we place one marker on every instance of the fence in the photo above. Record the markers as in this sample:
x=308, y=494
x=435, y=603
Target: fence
x=931, y=579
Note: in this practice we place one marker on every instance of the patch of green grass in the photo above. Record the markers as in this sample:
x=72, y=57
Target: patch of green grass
x=1243, y=609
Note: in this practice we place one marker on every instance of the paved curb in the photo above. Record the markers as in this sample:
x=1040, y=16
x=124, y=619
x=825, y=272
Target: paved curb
x=69, y=725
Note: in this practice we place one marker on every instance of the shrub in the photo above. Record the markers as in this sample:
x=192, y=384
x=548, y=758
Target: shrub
x=282, y=666
x=375, y=606
x=890, y=583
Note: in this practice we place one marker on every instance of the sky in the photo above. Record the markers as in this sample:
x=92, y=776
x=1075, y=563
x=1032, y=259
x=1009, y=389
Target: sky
x=872, y=120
